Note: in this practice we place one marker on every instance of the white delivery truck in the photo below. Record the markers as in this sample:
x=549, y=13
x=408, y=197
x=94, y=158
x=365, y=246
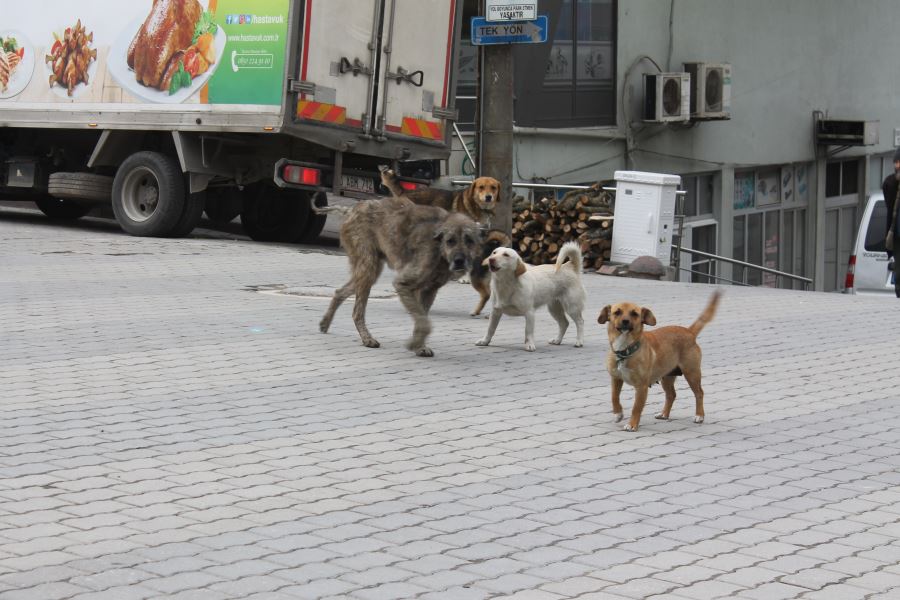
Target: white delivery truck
x=164, y=107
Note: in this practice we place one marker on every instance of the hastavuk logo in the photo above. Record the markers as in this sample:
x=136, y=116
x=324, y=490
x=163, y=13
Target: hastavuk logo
x=251, y=19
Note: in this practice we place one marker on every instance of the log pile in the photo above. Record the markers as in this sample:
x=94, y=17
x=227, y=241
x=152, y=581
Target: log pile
x=540, y=229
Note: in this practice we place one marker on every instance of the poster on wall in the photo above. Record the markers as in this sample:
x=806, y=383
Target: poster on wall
x=146, y=51
x=744, y=191
x=787, y=184
x=802, y=184
x=767, y=188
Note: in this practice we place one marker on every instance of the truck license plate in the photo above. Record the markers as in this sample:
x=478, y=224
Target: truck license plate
x=358, y=184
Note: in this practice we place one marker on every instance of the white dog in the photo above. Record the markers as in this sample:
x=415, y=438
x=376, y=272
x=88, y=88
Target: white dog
x=518, y=289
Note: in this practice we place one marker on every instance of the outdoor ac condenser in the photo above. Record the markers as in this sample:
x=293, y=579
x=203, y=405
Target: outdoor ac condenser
x=667, y=97
x=645, y=216
x=710, y=90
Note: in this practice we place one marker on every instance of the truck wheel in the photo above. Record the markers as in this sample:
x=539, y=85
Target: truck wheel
x=80, y=186
x=222, y=204
x=271, y=214
x=148, y=195
x=316, y=223
x=62, y=209
x=190, y=217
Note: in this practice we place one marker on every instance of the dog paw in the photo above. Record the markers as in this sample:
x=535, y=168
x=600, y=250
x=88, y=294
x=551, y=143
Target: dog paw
x=371, y=343
x=629, y=428
x=425, y=352
x=618, y=417
x=579, y=344
x=324, y=325
x=482, y=342
x=698, y=419
x=530, y=347
x=662, y=417
x=556, y=341
x=464, y=279
x=474, y=314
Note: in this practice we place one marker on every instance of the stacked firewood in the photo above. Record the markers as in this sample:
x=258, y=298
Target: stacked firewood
x=541, y=228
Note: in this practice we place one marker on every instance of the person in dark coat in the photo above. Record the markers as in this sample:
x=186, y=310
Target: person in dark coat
x=889, y=188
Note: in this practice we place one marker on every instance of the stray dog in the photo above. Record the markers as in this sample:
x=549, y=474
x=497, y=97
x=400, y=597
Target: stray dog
x=641, y=358
x=476, y=201
x=425, y=245
x=518, y=289
x=480, y=274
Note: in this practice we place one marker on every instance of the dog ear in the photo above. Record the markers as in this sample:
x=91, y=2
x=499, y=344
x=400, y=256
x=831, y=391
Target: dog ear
x=647, y=317
x=603, y=317
x=469, y=193
x=520, y=268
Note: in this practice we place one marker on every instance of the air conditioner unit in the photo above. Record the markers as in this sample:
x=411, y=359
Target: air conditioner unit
x=845, y=132
x=710, y=90
x=667, y=97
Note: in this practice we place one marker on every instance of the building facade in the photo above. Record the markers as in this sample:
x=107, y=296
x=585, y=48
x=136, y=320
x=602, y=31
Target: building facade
x=759, y=186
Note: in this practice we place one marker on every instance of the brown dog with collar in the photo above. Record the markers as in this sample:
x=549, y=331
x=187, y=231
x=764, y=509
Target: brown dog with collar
x=642, y=358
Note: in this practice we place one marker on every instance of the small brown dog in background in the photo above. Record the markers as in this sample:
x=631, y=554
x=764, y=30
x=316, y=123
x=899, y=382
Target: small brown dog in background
x=642, y=358
x=476, y=201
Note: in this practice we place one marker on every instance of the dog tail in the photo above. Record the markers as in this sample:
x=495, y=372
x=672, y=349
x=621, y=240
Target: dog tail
x=389, y=180
x=572, y=252
x=707, y=315
x=324, y=210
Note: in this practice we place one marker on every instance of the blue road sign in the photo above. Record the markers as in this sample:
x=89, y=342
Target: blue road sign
x=486, y=32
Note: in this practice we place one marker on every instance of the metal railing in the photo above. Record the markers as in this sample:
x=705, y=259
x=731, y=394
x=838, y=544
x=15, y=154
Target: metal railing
x=745, y=265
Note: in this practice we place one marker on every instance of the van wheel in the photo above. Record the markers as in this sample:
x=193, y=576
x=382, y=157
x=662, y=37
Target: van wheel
x=271, y=214
x=64, y=210
x=149, y=195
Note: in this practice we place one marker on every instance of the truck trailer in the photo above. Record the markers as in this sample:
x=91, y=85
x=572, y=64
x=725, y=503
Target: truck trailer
x=167, y=108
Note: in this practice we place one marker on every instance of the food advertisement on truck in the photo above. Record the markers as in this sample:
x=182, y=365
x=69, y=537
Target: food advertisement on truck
x=144, y=52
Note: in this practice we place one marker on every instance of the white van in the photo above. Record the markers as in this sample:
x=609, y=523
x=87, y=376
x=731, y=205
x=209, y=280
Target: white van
x=867, y=271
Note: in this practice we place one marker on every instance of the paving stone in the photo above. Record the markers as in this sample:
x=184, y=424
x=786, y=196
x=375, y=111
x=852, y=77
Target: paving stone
x=214, y=443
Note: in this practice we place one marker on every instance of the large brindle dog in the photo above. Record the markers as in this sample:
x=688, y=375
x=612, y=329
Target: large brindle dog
x=425, y=245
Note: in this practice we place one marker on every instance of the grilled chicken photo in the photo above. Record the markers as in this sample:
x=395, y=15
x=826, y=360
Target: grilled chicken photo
x=159, y=46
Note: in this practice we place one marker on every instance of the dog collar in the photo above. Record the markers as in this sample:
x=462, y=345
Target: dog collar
x=622, y=355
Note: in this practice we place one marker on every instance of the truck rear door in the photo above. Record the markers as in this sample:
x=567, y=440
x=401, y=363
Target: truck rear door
x=338, y=61
x=382, y=68
x=415, y=77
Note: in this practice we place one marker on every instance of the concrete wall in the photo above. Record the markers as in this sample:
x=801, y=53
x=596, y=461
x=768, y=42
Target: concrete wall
x=789, y=59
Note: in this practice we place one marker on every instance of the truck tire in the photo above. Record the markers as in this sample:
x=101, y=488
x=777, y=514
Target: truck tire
x=64, y=210
x=271, y=214
x=223, y=204
x=316, y=223
x=190, y=217
x=148, y=196
x=80, y=186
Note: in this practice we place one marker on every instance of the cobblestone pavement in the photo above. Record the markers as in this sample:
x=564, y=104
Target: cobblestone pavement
x=173, y=430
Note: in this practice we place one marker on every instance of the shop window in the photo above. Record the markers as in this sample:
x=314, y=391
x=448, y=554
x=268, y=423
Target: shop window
x=570, y=80
x=841, y=178
x=698, y=197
